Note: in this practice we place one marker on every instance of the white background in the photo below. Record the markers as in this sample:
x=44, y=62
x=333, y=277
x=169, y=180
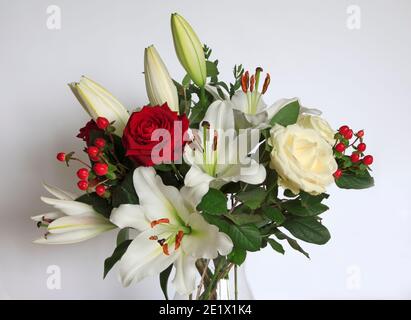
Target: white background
x=357, y=77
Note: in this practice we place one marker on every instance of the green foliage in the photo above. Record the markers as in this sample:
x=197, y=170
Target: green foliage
x=164, y=280
x=214, y=202
x=123, y=235
x=274, y=214
x=237, y=256
x=287, y=115
x=98, y=203
x=116, y=256
x=292, y=242
x=307, y=229
x=245, y=237
x=252, y=198
x=276, y=246
x=124, y=193
x=355, y=181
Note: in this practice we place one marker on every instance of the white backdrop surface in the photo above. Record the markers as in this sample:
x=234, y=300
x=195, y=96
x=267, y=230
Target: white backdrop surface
x=359, y=77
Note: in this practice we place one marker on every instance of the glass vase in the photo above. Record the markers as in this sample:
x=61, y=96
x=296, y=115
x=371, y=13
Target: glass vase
x=220, y=281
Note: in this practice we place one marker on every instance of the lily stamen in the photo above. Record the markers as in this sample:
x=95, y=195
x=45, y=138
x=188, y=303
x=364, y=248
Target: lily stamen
x=159, y=221
x=179, y=237
x=245, y=82
x=266, y=83
x=153, y=238
x=165, y=249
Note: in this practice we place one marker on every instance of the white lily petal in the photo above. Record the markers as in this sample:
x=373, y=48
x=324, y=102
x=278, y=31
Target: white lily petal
x=185, y=278
x=220, y=115
x=312, y=111
x=49, y=215
x=193, y=195
x=129, y=215
x=206, y=242
x=240, y=101
x=254, y=173
x=143, y=258
x=158, y=200
x=196, y=176
x=70, y=237
x=214, y=92
x=70, y=207
x=59, y=193
x=101, y=103
x=83, y=222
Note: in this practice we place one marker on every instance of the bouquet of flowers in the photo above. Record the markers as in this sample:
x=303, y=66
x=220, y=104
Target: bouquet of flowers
x=202, y=174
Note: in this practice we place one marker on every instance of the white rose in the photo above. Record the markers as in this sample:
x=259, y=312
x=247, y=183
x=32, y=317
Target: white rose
x=319, y=125
x=302, y=159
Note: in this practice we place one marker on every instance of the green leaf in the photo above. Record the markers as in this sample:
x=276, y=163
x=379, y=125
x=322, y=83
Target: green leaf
x=292, y=242
x=245, y=237
x=99, y=204
x=271, y=183
x=307, y=229
x=123, y=235
x=186, y=80
x=289, y=194
x=117, y=254
x=276, y=246
x=164, y=280
x=355, y=181
x=274, y=214
x=124, y=193
x=163, y=167
x=246, y=218
x=287, y=115
x=302, y=209
x=212, y=70
x=252, y=198
x=214, y=202
x=237, y=256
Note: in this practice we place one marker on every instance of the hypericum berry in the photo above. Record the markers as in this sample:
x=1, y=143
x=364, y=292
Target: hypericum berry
x=82, y=185
x=340, y=147
x=100, y=190
x=337, y=174
x=100, y=143
x=343, y=130
x=93, y=151
x=95, y=159
x=361, y=147
x=360, y=134
x=368, y=160
x=82, y=174
x=355, y=157
x=61, y=156
x=348, y=135
x=102, y=123
x=100, y=169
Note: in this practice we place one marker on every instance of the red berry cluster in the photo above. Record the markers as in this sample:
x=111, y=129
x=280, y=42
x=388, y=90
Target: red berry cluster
x=356, y=160
x=92, y=176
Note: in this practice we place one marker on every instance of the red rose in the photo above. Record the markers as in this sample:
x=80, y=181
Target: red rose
x=146, y=144
x=86, y=131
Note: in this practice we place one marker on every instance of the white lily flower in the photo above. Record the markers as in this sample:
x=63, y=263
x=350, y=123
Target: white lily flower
x=250, y=110
x=159, y=85
x=72, y=222
x=98, y=102
x=172, y=232
x=219, y=155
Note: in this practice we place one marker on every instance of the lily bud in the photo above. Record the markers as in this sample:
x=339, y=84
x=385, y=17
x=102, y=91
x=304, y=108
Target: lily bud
x=159, y=86
x=189, y=49
x=98, y=102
